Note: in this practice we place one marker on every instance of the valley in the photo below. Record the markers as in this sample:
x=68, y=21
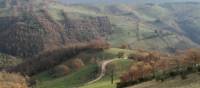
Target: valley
x=74, y=44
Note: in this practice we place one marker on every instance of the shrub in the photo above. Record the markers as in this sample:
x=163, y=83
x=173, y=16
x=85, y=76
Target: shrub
x=99, y=44
x=153, y=66
x=137, y=57
x=158, y=75
x=190, y=57
x=134, y=73
x=52, y=58
x=120, y=54
x=77, y=63
x=147, y=69
x=132, y=56
x=146, y=57
x=140, y=71
x=183, y=74
x=12, y=80
x=153, y=56
x=124, y=46
x=61, y=70
x=125, y=77
x=173, y=73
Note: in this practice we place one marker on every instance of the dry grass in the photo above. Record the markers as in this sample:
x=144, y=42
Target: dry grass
x=11, y=80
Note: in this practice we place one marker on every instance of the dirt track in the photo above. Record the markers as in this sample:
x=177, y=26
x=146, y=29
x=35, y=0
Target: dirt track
x=103, y=69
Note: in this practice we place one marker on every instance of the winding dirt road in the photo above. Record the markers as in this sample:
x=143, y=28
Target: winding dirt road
x=103, y=69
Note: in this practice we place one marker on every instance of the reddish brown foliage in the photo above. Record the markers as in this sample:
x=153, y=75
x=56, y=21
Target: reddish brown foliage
x=137, y=71
x=61, y=70
x=77, y=63
x=125, y=77
x=156, y=62
x=99, y=43
x=52, y=58
x=124, y=46
x=146, y=57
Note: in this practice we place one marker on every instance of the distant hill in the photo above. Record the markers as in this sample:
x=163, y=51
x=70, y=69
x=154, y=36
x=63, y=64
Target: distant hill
x=192, y=81
x=160, y=23
x=34, y=26
x=124, y=1
x=30, y=30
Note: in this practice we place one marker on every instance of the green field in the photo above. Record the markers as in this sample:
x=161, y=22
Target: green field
x=82, y=76
x=192, y=81
x=77, y=78
x=128, y=23
x=119, y=67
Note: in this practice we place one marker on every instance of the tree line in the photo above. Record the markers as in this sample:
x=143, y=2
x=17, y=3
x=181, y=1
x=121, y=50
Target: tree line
x=52, y=58
x=161, y=67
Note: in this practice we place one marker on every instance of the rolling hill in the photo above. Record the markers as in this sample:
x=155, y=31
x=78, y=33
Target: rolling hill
x=31, y=30
x=123, y=1
x=49, y=36
x=191, y=82
x=156, y=23
x=55, y=25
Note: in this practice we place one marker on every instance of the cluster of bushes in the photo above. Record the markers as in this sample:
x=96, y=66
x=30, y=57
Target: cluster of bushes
x=60, y=70
x=162, y=68
x=50, y=59
x=140, y=70
x=7, y=61
x=124, y=46
x=120, y=54
x=145, y=56
x=67, y=67
x=11, y=80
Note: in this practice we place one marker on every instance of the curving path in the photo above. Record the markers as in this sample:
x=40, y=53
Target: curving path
x=103, y=69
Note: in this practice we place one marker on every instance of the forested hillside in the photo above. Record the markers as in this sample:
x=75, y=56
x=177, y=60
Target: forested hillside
x=97, y=44
x=30, y=30
x=54, y=25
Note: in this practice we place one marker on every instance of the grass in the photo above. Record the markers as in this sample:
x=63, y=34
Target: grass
x=101, y=84
x=75, y=79
x=115, y=51
x=86, y=74
x=105, y=55
x=120, y=66
x=124, y=33
x=193, y=81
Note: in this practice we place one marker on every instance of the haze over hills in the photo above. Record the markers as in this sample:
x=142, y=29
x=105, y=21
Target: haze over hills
x=125, y=1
